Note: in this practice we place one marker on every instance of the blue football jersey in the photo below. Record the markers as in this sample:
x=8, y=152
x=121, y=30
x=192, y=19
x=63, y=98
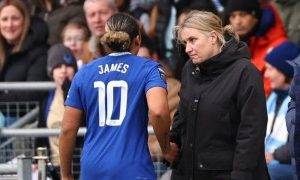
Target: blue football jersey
x=112, y=92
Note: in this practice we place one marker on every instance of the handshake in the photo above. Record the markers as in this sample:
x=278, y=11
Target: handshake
x=171, y=153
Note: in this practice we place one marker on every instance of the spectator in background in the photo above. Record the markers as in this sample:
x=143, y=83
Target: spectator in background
x=221, y=122
x=75, y=36
x=280, y=73
x=293, y=117
x=290, y=13
x=61, y=68
x=96, y=13
x=261, y=28
x=23, y=49
x=23, y=57
x=57, y=14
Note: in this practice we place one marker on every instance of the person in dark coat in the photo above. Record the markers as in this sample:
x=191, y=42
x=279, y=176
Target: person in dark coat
x=292, y=121
x=23, y=48
x=221, y=120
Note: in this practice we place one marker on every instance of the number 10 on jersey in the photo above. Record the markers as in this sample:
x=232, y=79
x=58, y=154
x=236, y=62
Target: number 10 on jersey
x=108, y=91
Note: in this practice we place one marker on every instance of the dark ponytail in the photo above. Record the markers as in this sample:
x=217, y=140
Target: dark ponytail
x=121, y=30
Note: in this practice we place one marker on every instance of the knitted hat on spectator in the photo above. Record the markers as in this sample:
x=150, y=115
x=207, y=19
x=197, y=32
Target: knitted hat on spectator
x=59, y=54
x=280, y=56
x=250, y=6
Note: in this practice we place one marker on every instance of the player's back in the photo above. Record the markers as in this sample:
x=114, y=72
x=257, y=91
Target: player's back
x=112, y=91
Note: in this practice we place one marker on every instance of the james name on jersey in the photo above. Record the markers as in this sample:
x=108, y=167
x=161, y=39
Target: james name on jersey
x=119, y=67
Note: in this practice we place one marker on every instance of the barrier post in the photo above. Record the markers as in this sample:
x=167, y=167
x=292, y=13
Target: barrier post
x=24, y=168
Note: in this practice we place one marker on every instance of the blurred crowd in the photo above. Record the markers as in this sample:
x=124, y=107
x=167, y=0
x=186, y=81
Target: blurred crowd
x=49, y=40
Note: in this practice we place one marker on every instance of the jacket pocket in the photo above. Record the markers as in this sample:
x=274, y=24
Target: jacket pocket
x=222, y=129
x=217, y=160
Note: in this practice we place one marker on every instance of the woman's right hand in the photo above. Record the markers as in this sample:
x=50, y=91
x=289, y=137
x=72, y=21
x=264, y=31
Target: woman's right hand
x=171, y=153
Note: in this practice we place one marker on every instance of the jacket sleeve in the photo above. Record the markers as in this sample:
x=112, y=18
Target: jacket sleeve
x=38, y=68
x=251, y=103
x=36, y=72
x=176, y=130
x=282, y=154
x=178, y=125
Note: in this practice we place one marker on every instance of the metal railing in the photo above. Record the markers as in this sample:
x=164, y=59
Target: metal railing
x=42, y=132
x=28, y=86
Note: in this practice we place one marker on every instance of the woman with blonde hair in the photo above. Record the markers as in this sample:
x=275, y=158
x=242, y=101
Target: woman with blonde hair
x=221, y=120
x=23, y=46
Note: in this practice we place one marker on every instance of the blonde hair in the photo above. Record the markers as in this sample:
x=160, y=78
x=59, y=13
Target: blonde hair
x=17, y=47
x=206, y=22
x=117, y=40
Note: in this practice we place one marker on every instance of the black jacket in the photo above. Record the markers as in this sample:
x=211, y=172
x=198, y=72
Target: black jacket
x=29, y=64
x=221, y=120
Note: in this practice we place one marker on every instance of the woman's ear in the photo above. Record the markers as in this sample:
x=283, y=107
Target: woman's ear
x=138, y=40
x=213, y=37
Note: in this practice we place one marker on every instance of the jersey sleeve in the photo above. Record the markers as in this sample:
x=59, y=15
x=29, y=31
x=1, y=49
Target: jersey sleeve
x=74, y=95
x=156, y=78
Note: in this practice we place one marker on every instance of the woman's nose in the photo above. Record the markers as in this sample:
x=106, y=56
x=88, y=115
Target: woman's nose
x=188, y=48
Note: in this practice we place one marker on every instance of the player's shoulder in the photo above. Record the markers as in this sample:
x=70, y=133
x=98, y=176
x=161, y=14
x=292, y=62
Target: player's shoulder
x=147, y=62
x=97, y=61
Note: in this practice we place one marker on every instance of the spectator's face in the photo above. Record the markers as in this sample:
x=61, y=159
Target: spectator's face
x=277, y=79
x=242, y=22
x=11, y=24
x=74, y=39
x=97, y=13
x=61, y=73
x=198, y=45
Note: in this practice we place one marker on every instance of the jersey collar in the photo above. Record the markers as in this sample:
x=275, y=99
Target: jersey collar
x=119, y=53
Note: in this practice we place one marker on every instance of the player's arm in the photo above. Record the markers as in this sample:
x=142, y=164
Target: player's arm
x=67, y=139
x=159, y=117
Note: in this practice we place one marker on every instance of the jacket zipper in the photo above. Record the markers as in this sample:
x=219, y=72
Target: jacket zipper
x=196, y=101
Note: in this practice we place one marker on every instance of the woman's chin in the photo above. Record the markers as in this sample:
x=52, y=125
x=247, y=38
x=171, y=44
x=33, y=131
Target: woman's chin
x=196, y=60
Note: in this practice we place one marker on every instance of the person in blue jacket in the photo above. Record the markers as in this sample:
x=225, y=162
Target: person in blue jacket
x=280, y=74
